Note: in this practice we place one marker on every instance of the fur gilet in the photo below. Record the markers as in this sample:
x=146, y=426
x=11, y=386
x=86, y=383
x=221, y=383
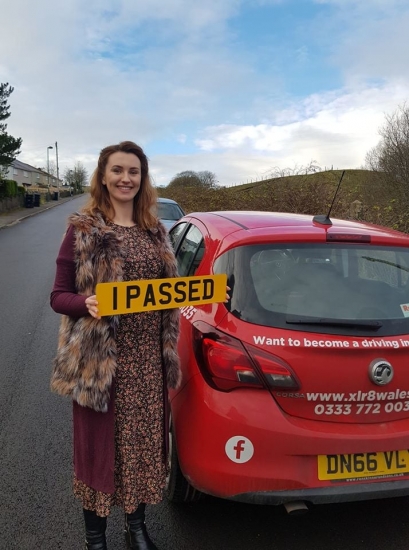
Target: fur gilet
x=84, y=366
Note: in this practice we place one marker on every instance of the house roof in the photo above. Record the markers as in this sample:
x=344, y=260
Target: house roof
x=28, y=168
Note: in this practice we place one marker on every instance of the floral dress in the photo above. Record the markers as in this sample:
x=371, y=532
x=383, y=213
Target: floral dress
x=140, y=471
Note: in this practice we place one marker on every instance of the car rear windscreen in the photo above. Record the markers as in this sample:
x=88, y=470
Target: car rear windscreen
x=168, y=211
x=330, y=288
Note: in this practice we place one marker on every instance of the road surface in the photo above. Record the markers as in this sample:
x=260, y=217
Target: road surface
x=37, y=509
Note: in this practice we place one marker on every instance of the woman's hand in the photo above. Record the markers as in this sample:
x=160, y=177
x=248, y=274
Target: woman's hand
x=227, y=294
x=92, y=306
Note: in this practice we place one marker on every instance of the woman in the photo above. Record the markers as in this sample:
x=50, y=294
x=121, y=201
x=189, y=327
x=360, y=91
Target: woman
x=116, y=369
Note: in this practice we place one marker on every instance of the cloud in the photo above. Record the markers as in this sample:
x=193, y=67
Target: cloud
x=82, y=77
x=368, y=5
x=175, y=71
x=379, y=50
x=369, y=39
x=334, y=129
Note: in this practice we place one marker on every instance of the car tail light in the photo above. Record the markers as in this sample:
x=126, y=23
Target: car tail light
x=276, y=372
x=348, y=238
x=227, y=364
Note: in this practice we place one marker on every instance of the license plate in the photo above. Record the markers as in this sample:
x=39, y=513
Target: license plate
x=352, y=467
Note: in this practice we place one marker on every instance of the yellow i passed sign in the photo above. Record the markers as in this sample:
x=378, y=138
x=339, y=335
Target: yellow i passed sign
x=150, y=294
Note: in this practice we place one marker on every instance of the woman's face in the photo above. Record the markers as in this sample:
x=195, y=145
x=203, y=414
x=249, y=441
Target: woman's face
x=122, y=177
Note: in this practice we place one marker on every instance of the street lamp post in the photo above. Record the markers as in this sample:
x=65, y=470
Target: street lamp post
x=48, y=166
x=71, y=182
x=58, y=171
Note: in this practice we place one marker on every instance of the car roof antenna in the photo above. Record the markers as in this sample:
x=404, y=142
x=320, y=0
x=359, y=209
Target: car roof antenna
x=325, y=220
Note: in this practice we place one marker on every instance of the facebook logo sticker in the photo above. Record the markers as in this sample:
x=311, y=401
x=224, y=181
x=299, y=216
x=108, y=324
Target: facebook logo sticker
x=239, y=449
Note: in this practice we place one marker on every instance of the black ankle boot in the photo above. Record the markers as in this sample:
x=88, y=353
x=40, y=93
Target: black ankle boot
x=136, y=536
x=95, y=527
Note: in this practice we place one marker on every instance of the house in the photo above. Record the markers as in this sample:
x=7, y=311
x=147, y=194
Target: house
x=27, y=175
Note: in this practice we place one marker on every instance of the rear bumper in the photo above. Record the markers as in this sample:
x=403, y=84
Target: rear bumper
x=283, y=467
x=328, y=495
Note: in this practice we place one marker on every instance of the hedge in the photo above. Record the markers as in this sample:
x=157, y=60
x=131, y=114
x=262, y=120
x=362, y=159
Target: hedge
x=9, y=188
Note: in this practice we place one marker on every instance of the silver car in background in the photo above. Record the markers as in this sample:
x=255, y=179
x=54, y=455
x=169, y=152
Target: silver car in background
x=169, y=212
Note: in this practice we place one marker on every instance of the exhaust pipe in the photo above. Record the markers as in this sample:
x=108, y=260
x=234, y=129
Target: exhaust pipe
x=296, y=508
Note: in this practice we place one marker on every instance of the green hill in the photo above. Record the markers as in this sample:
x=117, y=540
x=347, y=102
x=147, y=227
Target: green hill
x=305, y=194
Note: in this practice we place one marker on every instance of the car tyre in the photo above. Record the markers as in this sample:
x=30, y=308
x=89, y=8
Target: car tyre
x=178, y=489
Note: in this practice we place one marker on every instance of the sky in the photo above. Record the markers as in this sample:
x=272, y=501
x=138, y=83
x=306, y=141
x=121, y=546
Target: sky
x=242, y=88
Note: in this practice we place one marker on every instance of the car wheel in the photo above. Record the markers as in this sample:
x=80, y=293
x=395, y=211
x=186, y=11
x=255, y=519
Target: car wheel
x=178, y=489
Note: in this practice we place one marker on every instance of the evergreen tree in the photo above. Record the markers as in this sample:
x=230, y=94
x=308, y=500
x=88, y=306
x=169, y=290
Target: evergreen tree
x=9, y=146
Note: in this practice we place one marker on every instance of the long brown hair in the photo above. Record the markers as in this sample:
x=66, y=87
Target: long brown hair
x=144, y=201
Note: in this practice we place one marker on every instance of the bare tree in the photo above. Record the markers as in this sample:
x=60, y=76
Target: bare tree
x=391, y=155
x=189, y=178
x=311, y=168
x=68, y=178
x=208, y=179
x=52, y=169
x=76, y=177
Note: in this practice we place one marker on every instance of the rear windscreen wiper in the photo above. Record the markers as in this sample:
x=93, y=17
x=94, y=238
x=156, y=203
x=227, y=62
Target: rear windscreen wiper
x=295, y=320
x=393, y=264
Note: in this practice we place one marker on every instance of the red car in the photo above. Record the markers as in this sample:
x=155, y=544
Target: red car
x=297, y=390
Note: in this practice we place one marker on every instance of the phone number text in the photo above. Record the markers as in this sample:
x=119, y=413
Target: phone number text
x=361, y=408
